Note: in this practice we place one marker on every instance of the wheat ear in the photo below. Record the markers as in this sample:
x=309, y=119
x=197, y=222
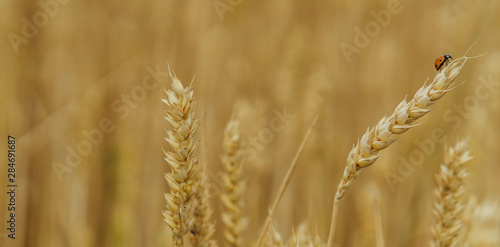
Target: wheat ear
x=449, y=205
x=302, y=237
x=232, y=216
x=365, y=152
x=274, y=237
x=204, y=227
x=183, y=178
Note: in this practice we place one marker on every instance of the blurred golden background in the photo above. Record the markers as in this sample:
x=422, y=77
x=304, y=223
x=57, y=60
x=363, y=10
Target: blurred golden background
x=88, y=76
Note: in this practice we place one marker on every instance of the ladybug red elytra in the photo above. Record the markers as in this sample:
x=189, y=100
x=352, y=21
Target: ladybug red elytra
x=442, y=60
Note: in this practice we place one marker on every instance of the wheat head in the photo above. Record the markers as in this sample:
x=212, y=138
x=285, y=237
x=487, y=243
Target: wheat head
x=183, y=178
x=375, y=139
x=449, y=204
x=232, y=216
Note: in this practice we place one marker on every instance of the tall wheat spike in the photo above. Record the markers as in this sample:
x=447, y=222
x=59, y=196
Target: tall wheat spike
x=232, y=216
x=375, y=139
x=449, y=204
x=184, y=176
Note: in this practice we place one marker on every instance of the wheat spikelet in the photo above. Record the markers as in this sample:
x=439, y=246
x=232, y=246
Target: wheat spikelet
x=375, y=139
x=449, y=205
x=183, y=178
x=203, y=228
x=232, y=217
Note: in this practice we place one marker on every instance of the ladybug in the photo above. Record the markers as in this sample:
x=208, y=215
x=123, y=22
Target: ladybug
x=442, y=60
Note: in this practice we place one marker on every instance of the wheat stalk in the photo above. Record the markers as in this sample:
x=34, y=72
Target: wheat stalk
x=449, y=205
x=183, y=178
x=232, y=216
x=375, y=139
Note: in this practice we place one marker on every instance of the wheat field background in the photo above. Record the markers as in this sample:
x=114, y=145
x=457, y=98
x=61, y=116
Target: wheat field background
x=91, y=78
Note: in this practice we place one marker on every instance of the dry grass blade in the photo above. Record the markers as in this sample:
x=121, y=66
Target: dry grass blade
x=449, y=205
x=183, y=178
x=375, y=139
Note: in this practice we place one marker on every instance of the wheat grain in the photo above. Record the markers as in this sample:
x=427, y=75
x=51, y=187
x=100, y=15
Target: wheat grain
x=183, y=178
x=449, y=205
x=232, y=217
x=375, y=139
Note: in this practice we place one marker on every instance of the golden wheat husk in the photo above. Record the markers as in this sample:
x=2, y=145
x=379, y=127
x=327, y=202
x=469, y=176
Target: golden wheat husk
x=377, y=138
x=449, y=203
x=183, y=177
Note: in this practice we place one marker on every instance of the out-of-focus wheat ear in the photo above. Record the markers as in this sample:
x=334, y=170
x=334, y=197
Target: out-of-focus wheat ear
x=484, y=230
x=183, y=177
x=232, y=215
x=449, y=203
x=274, y=238
x=377, y=138
x=302, y=237
x=204, y=227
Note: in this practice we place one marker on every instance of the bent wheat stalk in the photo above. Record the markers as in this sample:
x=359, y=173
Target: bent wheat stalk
x=365, y=152
x=183, y=178
x=449, y=204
